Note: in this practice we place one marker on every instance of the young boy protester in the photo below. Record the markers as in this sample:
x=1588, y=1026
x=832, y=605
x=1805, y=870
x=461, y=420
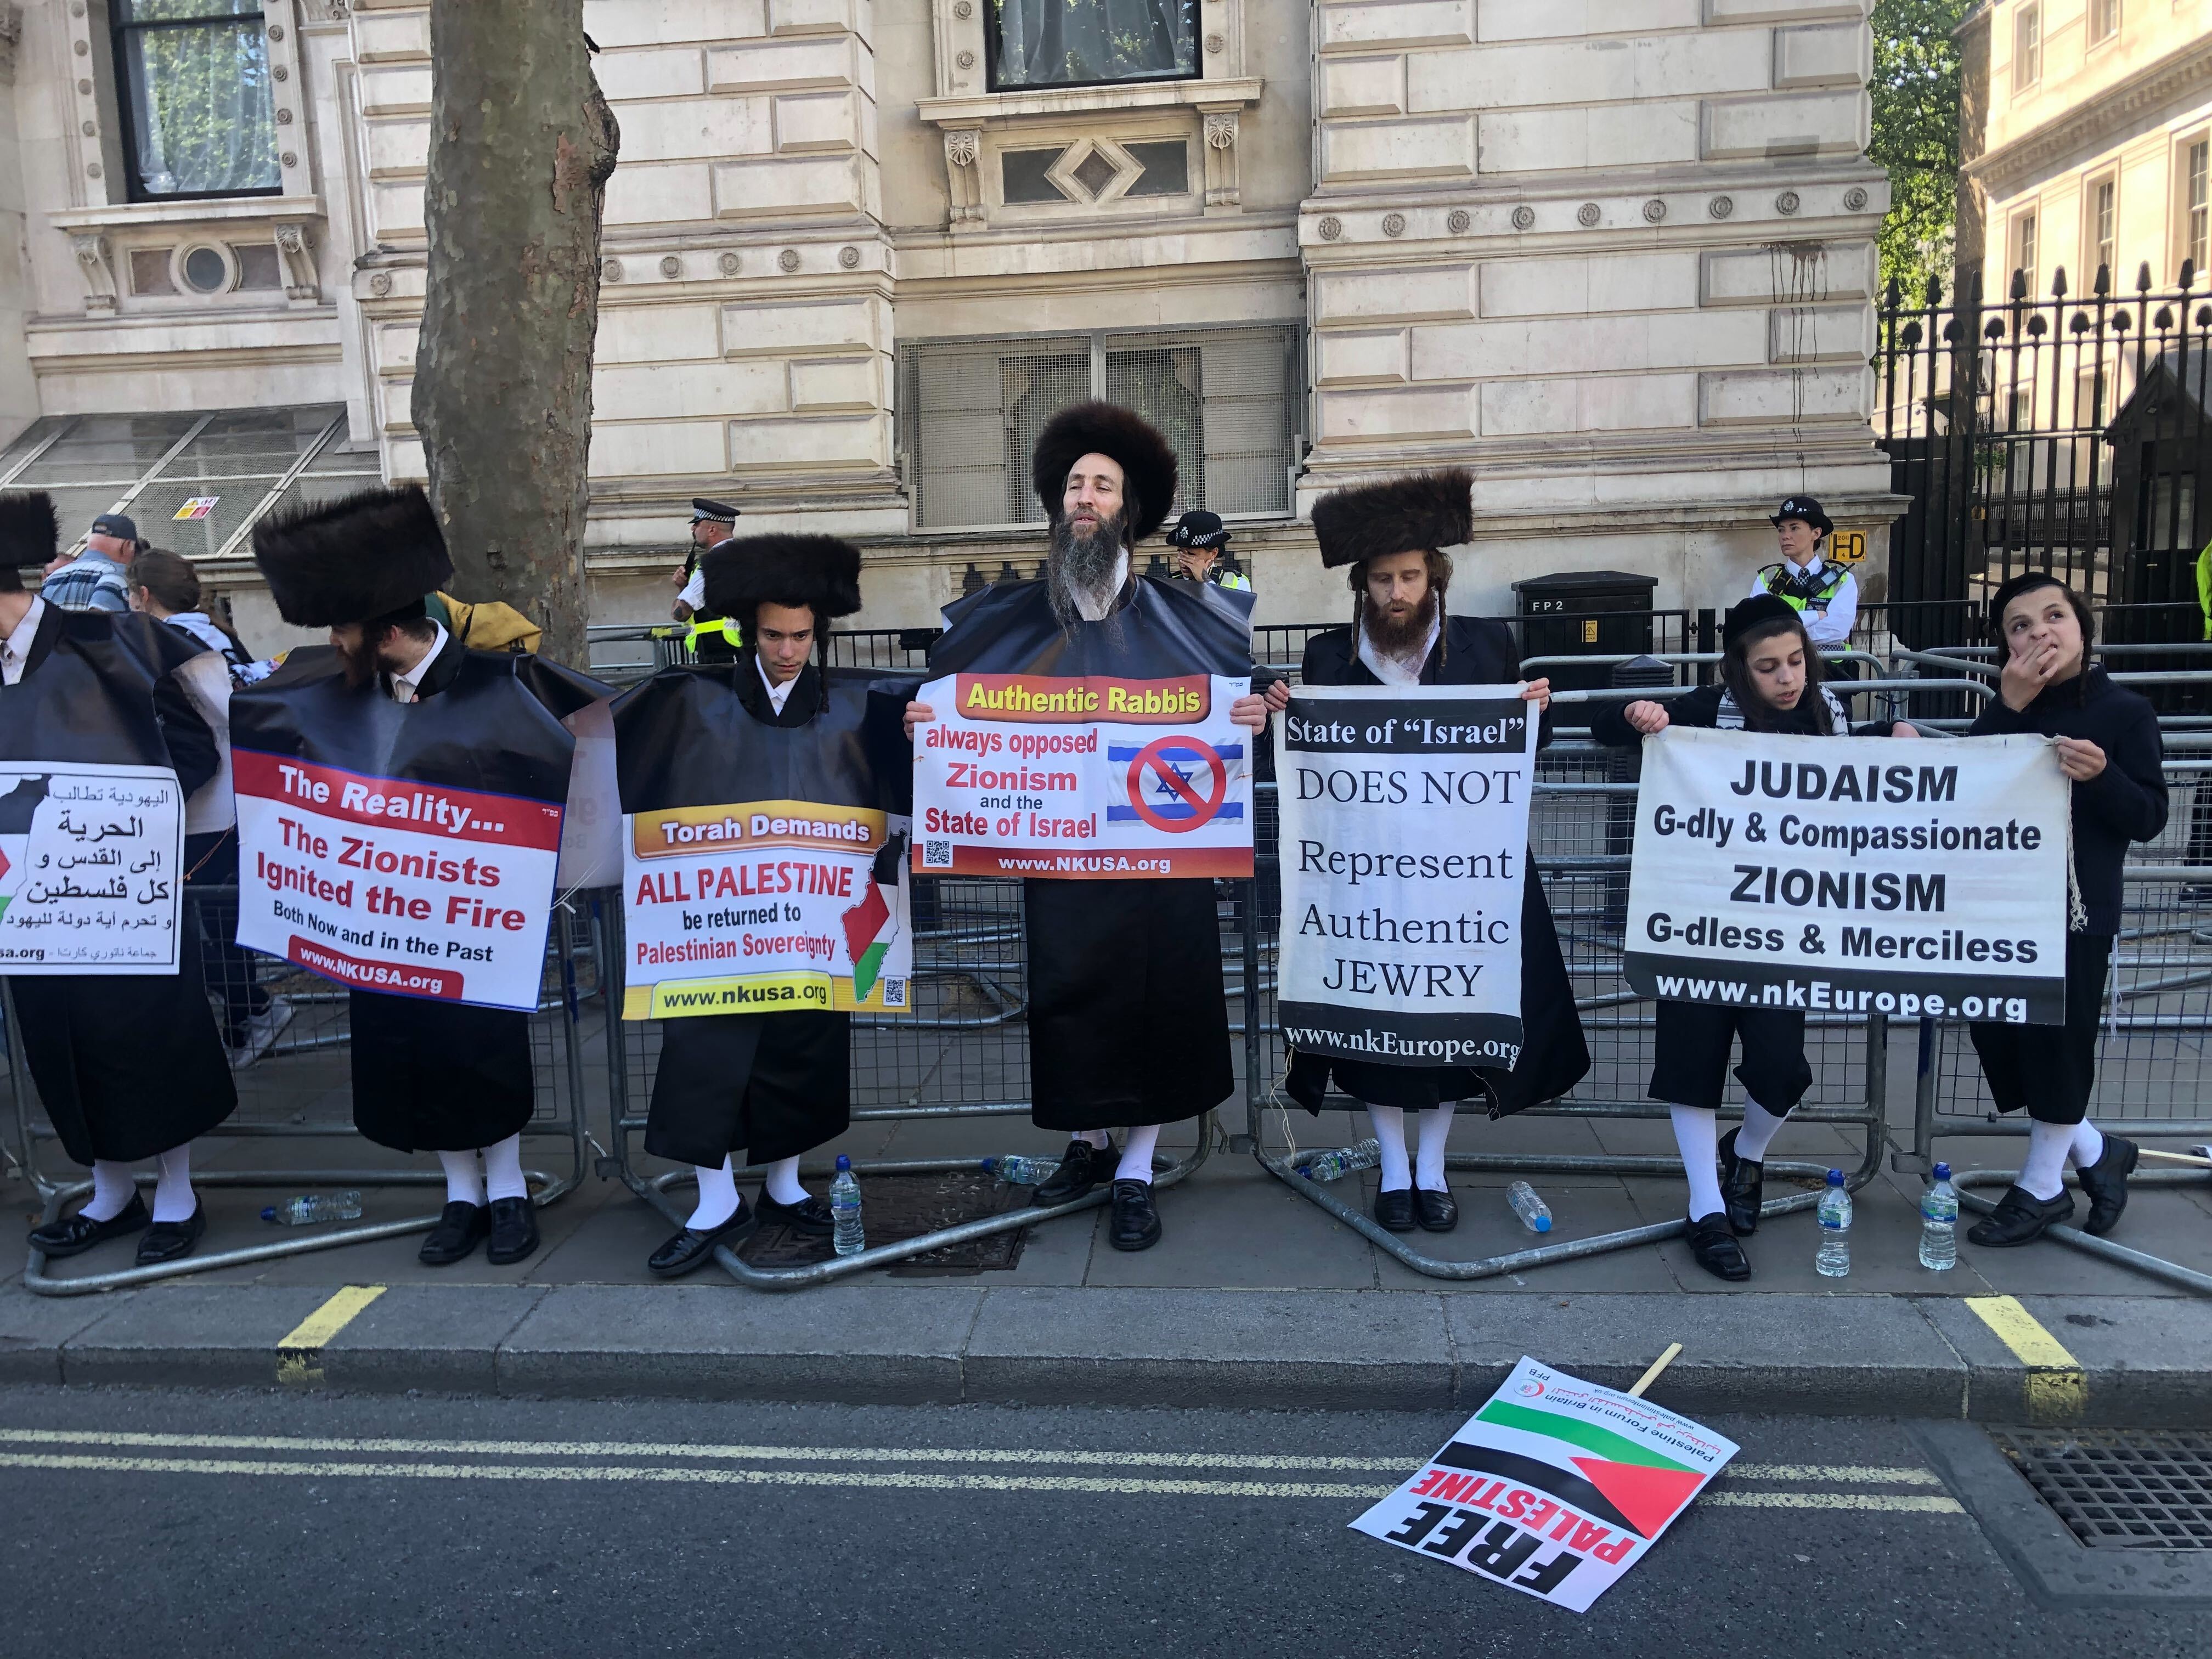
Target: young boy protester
x=1390, y=539
x=1771, y=681
x=2108, y=745
x=129, y=1065
x=769, y=1086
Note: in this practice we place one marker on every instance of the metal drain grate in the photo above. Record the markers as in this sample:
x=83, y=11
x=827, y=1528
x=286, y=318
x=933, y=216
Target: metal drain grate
x=2129, y=1489
x=896, y=1207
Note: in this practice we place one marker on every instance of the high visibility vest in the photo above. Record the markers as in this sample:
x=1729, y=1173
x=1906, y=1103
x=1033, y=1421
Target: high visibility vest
x=1798, y=590
x=692, y=632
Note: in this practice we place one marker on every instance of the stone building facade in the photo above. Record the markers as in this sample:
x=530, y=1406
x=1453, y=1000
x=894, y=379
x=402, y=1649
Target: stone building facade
x=1615, y=254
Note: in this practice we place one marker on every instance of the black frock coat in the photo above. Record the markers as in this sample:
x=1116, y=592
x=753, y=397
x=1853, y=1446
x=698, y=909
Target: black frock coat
x=771, y=1086
x=1555, y=1057
x=128, y=1065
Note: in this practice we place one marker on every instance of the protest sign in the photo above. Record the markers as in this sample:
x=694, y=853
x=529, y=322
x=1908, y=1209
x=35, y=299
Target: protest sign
x=1851, y=875
x=1556, y=1487
x=406, y=848
x=91, y=868
x=1405, y=838
x=761, y=871
x=1090, y=775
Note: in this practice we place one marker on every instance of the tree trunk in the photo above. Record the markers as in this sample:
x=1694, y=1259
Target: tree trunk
x=521, y=148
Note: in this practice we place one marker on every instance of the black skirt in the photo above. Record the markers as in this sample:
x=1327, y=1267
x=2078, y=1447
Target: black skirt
x=771, y=1086
x=438, y=1076
x=2051, y=1070
x=128, y=1065
x=1128, y=1022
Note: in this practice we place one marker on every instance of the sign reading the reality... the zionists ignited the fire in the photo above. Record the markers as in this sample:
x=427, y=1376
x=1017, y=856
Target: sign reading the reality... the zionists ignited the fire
x=1082, y=776
x=1851, y=875
x=1405, y=839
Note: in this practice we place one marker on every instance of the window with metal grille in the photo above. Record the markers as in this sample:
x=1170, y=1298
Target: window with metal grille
x=193, y=86
x=2027, y=47
x=1227, y=399
x=1082, y=43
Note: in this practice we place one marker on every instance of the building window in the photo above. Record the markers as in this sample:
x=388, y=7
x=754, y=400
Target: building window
x=2104, y=219
x=1074, y=42
x=2027, y=47
x=2104, y=20
x=2023, y=250
x=2196, y=203
x=1226, y=398
x=193, y=80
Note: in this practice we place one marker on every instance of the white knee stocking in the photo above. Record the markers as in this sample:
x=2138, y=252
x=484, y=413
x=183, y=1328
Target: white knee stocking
x=1097, y=1138
x=1757, y=1132
x=2043, y=1172
x=2088, y=1145
x=463, y=1182
x=1137, y=1154
x=717, y=1197
x=111, y=1188
x=782, y=1183
x=174, y=1199
x=503, y=1168
x=1429, y=1162
x=1698, y=1134
x=1390, y=1123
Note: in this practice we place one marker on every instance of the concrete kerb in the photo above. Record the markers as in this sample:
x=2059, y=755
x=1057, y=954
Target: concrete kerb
x=2141, y=1360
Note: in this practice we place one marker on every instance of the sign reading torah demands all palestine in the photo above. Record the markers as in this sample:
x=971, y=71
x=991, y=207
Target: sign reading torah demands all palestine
x=1083, y=776
x=1405, y=841
x=91, y=868
x=1851, y=875
x=1555, y=1488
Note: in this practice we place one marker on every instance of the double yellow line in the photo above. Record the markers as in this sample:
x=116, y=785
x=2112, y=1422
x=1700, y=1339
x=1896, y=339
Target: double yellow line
x=2056, y=1390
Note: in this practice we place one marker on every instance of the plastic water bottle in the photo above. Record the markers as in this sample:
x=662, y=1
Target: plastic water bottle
x=1016, y=1171
x=1939, y=1223
x=1833, y=1260
x=1528, y=1204
x=309, y=1208
x=845, y=1209
x=1334, y=1166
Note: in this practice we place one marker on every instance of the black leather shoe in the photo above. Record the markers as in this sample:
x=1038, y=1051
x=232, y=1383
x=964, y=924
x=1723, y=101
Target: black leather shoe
x=460, y=1228
x=2106, y=1181
x=690, y=1248
x=809, y=1217
x=1082, y=1167
x=1713, y=1247
x=73, y=1235
x=2020, y=1218
x=1136, y=1223
x=514, y=1230
x=1394, y=1211
x=1743, y=1187
x=167, y=1240
x=1439, y=1212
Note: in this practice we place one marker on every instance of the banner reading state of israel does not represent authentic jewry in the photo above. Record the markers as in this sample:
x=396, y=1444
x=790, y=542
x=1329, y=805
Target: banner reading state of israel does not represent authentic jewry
x=1851, y=875
x=1405, y=837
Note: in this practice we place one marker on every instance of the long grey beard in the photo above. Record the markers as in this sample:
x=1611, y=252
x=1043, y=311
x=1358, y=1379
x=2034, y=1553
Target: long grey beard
x=1080, y=564
x=1398, y=641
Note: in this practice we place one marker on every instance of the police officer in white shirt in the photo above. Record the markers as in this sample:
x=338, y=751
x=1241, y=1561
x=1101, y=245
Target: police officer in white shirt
x=1823, y=593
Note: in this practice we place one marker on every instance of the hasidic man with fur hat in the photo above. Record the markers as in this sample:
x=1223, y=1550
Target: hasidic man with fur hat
x=1128, y=1025
x=129, y=1065
x=770, y=1086
x=428, y=1075
x=1391, y=539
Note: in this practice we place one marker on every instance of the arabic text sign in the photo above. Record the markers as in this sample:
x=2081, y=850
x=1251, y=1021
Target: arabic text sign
x=1037, y=775
x=1556, y=1487
x=385, y=884
x=762, y=907
x=1851, y=875
x=91, y=868
x=1404, y=842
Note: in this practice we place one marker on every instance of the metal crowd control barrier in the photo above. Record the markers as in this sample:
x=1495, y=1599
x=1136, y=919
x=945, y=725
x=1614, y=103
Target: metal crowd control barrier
x=298, y=1091
x=961, y=1051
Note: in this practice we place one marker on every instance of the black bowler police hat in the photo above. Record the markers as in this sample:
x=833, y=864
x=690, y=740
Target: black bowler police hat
x=703, y=511
x=1806, y=508
x=1199, y=530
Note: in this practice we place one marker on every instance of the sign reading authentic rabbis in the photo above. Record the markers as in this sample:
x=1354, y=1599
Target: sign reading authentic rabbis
x=1851, y=875
x=1404, y=842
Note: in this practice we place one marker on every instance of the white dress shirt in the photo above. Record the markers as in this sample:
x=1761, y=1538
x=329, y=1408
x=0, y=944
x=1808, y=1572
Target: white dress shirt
x=777, y=694
x=408, y=687
x=1093, y=605
x=1395, y=670
x=1831, y=627
x=15, y=654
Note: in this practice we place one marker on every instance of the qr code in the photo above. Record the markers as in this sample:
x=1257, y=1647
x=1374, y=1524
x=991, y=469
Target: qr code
x=937, y=855
x=893, y=993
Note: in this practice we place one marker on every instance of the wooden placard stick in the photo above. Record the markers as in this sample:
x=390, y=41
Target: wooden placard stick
x=2176, y=1157
x=1658, y=1366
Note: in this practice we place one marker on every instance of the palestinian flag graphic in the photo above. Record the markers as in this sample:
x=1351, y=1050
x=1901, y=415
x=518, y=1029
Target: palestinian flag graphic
x=872, y=924
x=1623, y=1481
x=19, y=807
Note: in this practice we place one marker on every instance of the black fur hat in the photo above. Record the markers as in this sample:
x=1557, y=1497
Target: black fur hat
x=30, y=530
x=1424, y=512
x=819, y=572
x=1148, y=465
x=352, y=560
